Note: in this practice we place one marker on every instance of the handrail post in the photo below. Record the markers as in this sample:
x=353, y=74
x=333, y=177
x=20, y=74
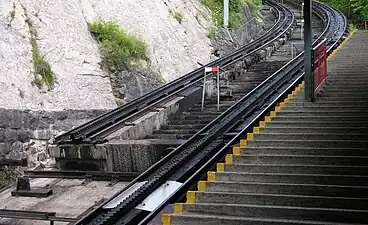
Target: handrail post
x=308, y=50
x=204, y=88
x=218, y=90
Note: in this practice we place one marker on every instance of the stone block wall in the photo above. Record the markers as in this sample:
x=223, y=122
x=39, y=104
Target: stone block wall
x=25, y=133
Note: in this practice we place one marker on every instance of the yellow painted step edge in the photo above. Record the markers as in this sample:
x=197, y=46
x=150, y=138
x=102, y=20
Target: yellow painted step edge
x=166, y=219
x=211, y=175
x=341, y=45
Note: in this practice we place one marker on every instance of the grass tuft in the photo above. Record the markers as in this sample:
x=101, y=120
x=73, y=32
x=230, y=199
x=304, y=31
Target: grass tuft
x=179, y=16
x=119, y=50
x=238, y=9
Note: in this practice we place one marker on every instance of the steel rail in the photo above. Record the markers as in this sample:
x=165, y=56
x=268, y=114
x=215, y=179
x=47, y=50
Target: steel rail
x=142, y=176
x=329, y=34
x=162, y=94
x=176, y=158
x=252, y=102
x=91, y=175
x=34, y=215
x=100, y=135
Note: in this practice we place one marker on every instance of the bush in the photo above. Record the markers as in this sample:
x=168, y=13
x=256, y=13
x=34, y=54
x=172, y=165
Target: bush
x=119, y=50
x=237, y=9
x=355, y=10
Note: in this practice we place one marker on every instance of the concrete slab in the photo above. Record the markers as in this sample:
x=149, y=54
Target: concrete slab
x=70, y=198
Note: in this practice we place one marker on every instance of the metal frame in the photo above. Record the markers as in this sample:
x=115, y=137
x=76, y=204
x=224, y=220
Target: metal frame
x=35, y=215
x=91, y=175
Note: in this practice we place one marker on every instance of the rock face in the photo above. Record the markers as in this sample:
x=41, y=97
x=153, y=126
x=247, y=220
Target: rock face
x=175, y=46
x=64, y=40
x=176, y=30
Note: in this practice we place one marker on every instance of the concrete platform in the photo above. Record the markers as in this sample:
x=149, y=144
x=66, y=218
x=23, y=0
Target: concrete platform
x=70, y=198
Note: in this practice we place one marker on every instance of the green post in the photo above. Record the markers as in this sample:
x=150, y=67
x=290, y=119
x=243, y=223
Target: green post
x=308, y=76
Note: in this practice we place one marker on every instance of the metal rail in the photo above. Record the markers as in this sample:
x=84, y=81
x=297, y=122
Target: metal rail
x=335, y=30
x=91, y=175
x=174, y=162
x=35, y=215
x=117, y=118
x=192, y=159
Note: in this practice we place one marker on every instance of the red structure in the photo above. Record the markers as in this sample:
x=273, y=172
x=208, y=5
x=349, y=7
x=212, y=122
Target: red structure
x=319, y=65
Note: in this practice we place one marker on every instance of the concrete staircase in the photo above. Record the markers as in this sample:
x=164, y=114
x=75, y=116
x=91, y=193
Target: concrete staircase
x=190, y=122
x=306, y=164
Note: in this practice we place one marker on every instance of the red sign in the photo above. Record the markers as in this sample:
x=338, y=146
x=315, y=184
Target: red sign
x=319, y=65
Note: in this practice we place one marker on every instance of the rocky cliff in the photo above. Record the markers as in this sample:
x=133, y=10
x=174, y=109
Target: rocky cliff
x=53, y=36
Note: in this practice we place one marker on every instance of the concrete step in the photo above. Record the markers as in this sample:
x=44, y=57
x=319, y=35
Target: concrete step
x=311, y=136
x=322, y=104
x=305, y=151
x=280, y=212
x=179, y=121
x=324, y=179
x=183, y=126
x=361, y=82
x=344, y=119
x=157, y=135
x=281, y=200
x=358, y=95
x=211, y=113
x=223, y=107
x=347, y=89
x=175, y=131
x=320, y=112
x=308, y=123
x=343, y=98
x=302, y=159
x=347, y=191
x=310, y=143
x=298, y=168
x=207, y=118
x=309, y=129
x=204, y=219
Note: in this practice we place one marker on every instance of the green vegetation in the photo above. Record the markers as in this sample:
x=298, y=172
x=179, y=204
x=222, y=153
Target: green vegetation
x=42, y=69
x=355, y=10
x=212, y=34
x=238, y=10
x=179, y=16
x=43, y=74
x=119, y=50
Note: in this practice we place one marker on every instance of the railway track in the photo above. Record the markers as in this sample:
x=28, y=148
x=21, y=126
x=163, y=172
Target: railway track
x=205, y=144
x=188, y=163
x=98, y=129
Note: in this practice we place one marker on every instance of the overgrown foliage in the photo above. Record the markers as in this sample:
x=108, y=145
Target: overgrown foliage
x=119, y=50
x=179, y=16
x=238, y=9
x=355, y=10
x=43, y=74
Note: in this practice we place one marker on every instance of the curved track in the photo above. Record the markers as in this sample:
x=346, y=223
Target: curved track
x=97, y=129
x=191, y=160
